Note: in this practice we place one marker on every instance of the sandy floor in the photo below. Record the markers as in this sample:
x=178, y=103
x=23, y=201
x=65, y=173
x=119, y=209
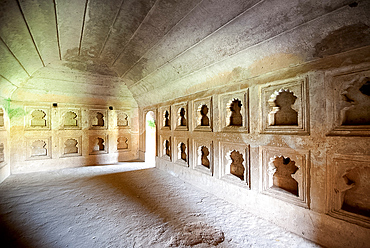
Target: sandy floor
x=126, y=205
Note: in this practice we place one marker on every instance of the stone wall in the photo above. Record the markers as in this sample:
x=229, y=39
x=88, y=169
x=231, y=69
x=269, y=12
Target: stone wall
x=48, y=136
x=294, y=151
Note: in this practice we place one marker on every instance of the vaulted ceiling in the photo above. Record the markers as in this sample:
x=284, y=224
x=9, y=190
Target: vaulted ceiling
x=157, y=50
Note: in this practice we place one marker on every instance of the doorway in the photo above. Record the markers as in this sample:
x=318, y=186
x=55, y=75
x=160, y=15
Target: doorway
x=150, y=138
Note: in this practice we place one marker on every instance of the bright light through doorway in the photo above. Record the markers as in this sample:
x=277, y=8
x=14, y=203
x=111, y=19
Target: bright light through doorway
x=150, y=138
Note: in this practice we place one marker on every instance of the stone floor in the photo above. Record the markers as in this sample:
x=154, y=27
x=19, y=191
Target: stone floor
x=125, y=205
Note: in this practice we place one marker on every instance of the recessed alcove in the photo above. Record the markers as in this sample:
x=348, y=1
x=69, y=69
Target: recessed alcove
x=70, y=119
x=99, y=144
x=38, y=148
x=203, y=156
x=281, y=170
x=2, y=155
x=98, y=118
x=70, y=146
x=202, y=115
x=181, y=116
x=234, y=111
x=282, y=113
x=1, y=118
x=165, y=120
x=122, y=143
x=122, y=119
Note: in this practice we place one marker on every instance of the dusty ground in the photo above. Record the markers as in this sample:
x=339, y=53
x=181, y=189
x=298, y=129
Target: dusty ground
x=126, y=205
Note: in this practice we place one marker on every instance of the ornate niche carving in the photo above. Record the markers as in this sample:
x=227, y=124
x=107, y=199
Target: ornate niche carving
x=2, y=122
x=234, y=162
x=203, y=156
x=123, y=143
x=70, y=118
x=284, y=107
x=2, y=154
x=348, y=102
x=37, y=118
x=165, y=147
x=98, y=144
x=180, y=117
x=202, y=115
x=122, y=119
x=285, y=174
x=234, y=112
x=98, y=118
x=70, y=146
x=165, y=117
x=181, y=154
x=349, y=188
x=38, y=148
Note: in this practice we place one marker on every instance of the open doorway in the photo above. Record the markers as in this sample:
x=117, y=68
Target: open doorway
x=150, y=136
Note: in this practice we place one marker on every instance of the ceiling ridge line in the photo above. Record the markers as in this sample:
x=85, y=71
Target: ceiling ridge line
x=29, y=31
x=202, y=40
x=110, y=30
x=57, y=28
x=19, y=62
x=72, y=81
x=83, y=27
x=247, y=48
x=165, y=35
x=9, y=81
x=133, y=35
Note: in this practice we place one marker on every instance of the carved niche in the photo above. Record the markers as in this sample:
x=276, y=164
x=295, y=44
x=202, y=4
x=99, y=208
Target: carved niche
x=348, y=101
x=123, y=143
x=285, y=174
x=203, y=156
x=98, y=144
x=165, y=117
x=2, y=122
x=181, y=154
x=39, y=148
x=180, y=116
x=98, y=118
x=70, y=118
x=234, y=163
x=122, y=119
x=202, y=115
x=234, y=112
x=37, y=118
x=2, y=154
x=165, y=149
x=284, y=107
x=349, y=188
x=70, y=146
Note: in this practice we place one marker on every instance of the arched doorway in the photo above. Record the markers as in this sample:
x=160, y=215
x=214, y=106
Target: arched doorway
x=150, y=138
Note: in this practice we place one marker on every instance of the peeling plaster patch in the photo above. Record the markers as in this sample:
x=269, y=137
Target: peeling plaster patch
x=343, y=39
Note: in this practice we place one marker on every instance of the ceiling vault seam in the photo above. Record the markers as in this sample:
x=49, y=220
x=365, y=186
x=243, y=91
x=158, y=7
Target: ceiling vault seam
x=82, y=29
x=29, y=31
x=165, y=35
x=19, y=62
x=243, y=50
x=199, y=42
x=110, y=30
x=133, y=35
x=57, y=28
x=9, y=81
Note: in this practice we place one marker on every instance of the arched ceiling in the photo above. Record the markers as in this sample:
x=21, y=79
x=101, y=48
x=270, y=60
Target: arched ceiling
x=156, y=50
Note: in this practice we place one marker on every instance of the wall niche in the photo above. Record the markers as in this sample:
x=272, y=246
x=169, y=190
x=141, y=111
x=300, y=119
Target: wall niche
x=181, y=154
x=285, y=174
x=70, y=118
x=349, y=180
x=234, y=111
x=348, y=101
x=122, y=143
x=234, y=163
x=165, y=117
x=2, y=120
x=202, y=115
x=203, y=156
x=38, y=148
x=122, y=119
x=181, y=116
x=37, y=118
x=166, y=147
x=70, y=146
x=2, y=154
x=98, y=144
x=284, y=107
x=98, y=118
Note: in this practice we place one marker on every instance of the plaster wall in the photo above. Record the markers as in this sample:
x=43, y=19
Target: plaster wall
x=325, y=150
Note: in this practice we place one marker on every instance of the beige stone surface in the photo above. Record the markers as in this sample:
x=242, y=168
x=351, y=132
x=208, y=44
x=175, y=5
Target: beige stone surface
x=126, y=205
